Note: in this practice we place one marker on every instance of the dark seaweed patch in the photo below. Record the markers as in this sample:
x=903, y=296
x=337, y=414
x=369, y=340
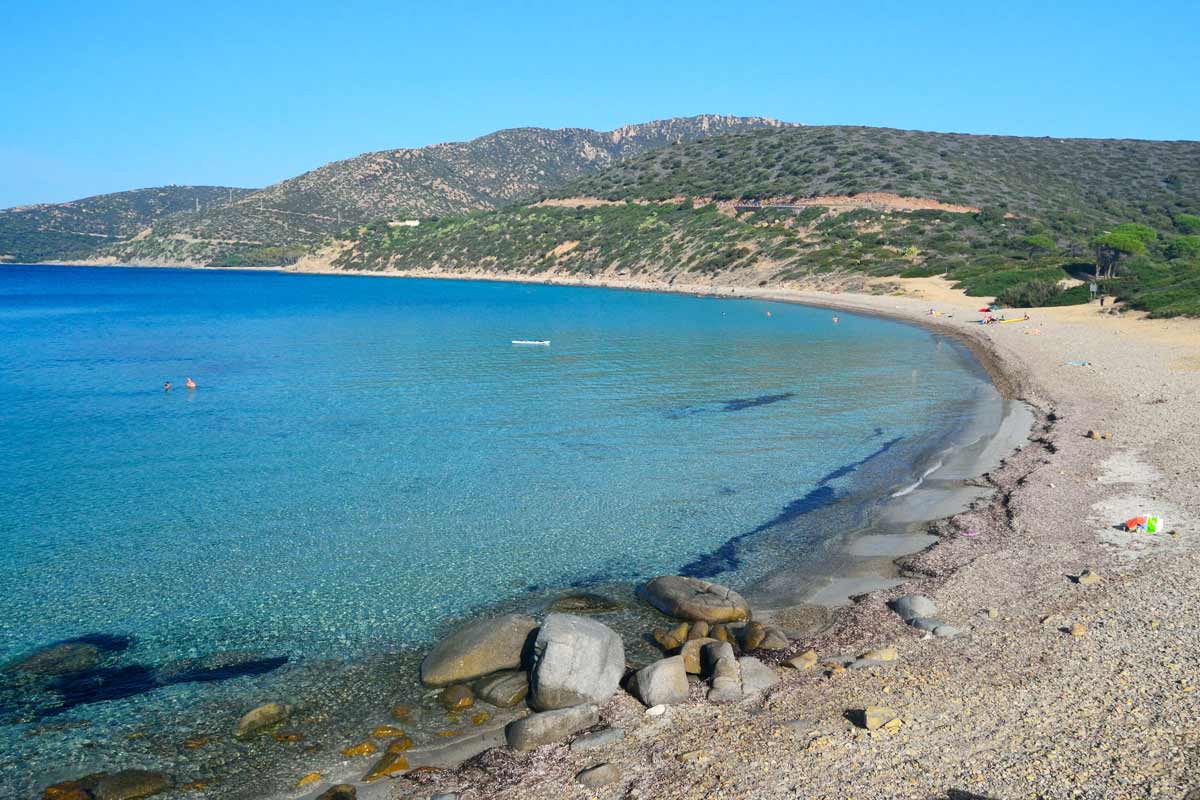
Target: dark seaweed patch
x=742, y=404
x=736, y=404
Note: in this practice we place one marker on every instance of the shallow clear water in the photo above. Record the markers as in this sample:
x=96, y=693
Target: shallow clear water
x=365, y=458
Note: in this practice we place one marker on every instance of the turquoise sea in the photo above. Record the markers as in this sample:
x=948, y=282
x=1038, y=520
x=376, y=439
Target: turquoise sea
x=365, y=459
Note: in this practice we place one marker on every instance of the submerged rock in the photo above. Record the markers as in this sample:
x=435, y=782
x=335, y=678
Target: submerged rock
x=341, y=791
x=549, y=726
x=583, y=603
x=457, y=698
x=132, y=784
x=59, y=659
x=477, y=649
x=662, y=683
x=575, y=660
x=695, y=599
x=261, y=718
x=78, y=789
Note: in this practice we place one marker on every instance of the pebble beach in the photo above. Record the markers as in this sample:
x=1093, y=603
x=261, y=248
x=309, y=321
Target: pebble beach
x=1025, y=646
x=1076, y=669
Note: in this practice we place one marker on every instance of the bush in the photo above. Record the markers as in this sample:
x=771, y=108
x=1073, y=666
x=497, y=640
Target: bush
x=1184, y=247
x=1041, y=293
x=1188, y=223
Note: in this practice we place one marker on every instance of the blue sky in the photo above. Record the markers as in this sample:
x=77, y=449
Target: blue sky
x=102, y=97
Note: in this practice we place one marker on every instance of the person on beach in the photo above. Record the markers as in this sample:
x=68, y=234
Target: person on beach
x=191, y=384
x=1102, y=301
x=167, y=386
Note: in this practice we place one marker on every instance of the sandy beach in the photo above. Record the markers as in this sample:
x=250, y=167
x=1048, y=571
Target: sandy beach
x=1019, y=706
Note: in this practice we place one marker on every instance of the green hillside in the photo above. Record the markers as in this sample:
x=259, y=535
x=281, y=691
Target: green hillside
x=1040, y=209
x=450, y=178
x=64, y=231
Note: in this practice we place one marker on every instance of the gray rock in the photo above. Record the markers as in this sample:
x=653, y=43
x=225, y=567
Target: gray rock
x=946, y=632
x=774, y=640
x=504, y=689
x=694, y=599
x=662, y=683
x=444, y=796
x=131, y=784
x=593, y=741
x=549, y=726
x=925, y=623
x=710, y=654
x=756, y=676
x=913, y=605
x=450, y=753
x=726, y=679
x=575, y=660
x=599, y=775
x=477, y=649
x=261, y=718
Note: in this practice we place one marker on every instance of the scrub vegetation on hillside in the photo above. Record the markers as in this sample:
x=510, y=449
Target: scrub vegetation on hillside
x=1051, y=212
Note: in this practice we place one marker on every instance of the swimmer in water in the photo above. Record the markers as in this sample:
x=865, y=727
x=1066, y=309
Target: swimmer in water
x=167, y=386
x=835, y=320
x=191, y=384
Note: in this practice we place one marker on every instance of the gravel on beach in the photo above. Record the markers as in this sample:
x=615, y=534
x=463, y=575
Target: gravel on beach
x=1020, y=705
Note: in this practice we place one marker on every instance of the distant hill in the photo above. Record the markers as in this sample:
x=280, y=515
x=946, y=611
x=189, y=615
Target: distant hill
x=1012, y=217
x=76, y=230
x=1100, y=180
x=451, y=178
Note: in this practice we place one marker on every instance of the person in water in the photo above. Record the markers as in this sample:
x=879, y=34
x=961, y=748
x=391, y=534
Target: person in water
x=835, y=320
x=191, y=384
x=167, y=386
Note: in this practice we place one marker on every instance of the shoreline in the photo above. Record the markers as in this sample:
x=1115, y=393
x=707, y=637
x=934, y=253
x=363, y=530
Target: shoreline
x=1011, y=552
x=1051, y=515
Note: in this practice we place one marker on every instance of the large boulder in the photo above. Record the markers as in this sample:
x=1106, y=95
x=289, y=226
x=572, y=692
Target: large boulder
x=694, y=599
x=131, y=784
x=575, y=660
x=549, y=726
x=662, y=683
x=477, y=649
x=911, y=606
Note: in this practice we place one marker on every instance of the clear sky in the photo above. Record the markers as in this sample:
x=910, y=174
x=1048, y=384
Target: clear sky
x=100, y=97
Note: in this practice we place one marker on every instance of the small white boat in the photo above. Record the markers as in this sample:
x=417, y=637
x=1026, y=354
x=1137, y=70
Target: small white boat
x=542, y=342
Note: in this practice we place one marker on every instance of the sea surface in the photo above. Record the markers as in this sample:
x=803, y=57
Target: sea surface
x=365, y=459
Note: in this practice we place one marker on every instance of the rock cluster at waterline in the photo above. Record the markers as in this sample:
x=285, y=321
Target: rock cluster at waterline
x=523, y=683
